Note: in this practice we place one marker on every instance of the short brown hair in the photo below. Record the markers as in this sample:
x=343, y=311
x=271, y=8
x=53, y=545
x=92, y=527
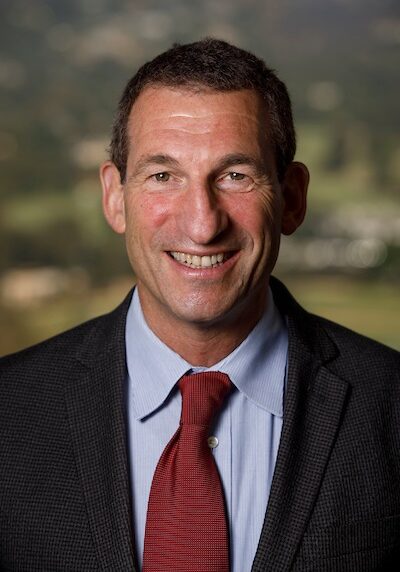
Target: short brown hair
x=216, y=65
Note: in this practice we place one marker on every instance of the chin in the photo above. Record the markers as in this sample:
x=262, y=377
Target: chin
x=204, y=314
x=200, y=317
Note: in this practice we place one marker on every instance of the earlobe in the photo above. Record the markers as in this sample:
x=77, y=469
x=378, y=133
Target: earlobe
x=113, y=197
x=294, y=191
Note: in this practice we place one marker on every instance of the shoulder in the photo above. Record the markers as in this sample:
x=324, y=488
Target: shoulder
x=350, y=355
x=333, y=364
x=62, y=342
x=357, y=351
x=371, y=371
x=52, y=360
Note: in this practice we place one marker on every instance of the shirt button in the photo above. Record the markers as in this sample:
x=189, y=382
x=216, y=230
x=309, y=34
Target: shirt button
x=212, y=442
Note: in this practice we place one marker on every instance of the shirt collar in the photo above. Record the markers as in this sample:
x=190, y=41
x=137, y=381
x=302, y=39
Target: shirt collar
x=256, y=367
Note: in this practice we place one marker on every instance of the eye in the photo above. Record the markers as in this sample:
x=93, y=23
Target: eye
x=233, y=181
x=236, y=176
x=162, y=177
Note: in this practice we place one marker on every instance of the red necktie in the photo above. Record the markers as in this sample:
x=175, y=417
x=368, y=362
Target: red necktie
x=186, y=528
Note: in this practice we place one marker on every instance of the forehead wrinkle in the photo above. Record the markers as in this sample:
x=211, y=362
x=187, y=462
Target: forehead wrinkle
x=215, y=112
x=192, y=122
x=168, y=108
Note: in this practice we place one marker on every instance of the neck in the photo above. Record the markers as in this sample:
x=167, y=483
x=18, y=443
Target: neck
x=206, y=344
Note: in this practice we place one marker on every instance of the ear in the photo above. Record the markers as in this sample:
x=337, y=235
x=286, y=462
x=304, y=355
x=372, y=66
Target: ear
x=113, y=197
x=294, y=191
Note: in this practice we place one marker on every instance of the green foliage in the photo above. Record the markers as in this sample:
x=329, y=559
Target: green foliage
x=63, y=65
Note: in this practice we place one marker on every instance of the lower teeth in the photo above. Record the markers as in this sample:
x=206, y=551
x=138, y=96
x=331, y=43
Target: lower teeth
x=198, y=267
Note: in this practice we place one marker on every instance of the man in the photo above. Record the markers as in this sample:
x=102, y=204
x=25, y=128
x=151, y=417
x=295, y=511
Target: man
x=303, y=467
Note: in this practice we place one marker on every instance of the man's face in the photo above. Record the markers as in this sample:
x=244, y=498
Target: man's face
x=202, y=207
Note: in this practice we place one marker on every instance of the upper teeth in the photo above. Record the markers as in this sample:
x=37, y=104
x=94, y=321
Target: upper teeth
x=198, y=261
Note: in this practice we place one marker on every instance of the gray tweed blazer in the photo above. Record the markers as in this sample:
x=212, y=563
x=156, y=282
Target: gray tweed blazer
x=64, y=483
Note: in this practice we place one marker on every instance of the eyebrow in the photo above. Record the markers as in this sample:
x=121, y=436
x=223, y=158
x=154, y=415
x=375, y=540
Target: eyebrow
x=241, y=159
x=160, y=159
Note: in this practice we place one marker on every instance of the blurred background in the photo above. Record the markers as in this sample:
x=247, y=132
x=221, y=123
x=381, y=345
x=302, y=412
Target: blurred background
x=63, y=65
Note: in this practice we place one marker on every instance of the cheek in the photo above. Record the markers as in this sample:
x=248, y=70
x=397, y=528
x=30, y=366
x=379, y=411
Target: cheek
x=146, y=214
x=258, y=214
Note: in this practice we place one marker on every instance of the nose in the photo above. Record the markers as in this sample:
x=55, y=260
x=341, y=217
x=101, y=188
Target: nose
x=202, y=215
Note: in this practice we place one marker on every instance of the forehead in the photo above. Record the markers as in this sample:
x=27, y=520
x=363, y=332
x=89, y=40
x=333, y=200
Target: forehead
x=164, y=108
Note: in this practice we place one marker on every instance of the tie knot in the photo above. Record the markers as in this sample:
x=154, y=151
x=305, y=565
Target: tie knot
x=202, y=396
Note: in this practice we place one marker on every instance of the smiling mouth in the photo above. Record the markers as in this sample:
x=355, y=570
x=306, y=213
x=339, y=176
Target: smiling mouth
x=196, y=261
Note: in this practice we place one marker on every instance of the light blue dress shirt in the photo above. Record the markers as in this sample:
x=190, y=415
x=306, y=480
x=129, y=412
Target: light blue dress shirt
x=248, y=428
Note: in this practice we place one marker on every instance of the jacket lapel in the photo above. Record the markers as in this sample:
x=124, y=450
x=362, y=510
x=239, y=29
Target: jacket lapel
x=95, y=409
x=314, y=402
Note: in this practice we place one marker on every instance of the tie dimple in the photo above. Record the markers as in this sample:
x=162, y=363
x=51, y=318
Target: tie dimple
x=202, y=396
